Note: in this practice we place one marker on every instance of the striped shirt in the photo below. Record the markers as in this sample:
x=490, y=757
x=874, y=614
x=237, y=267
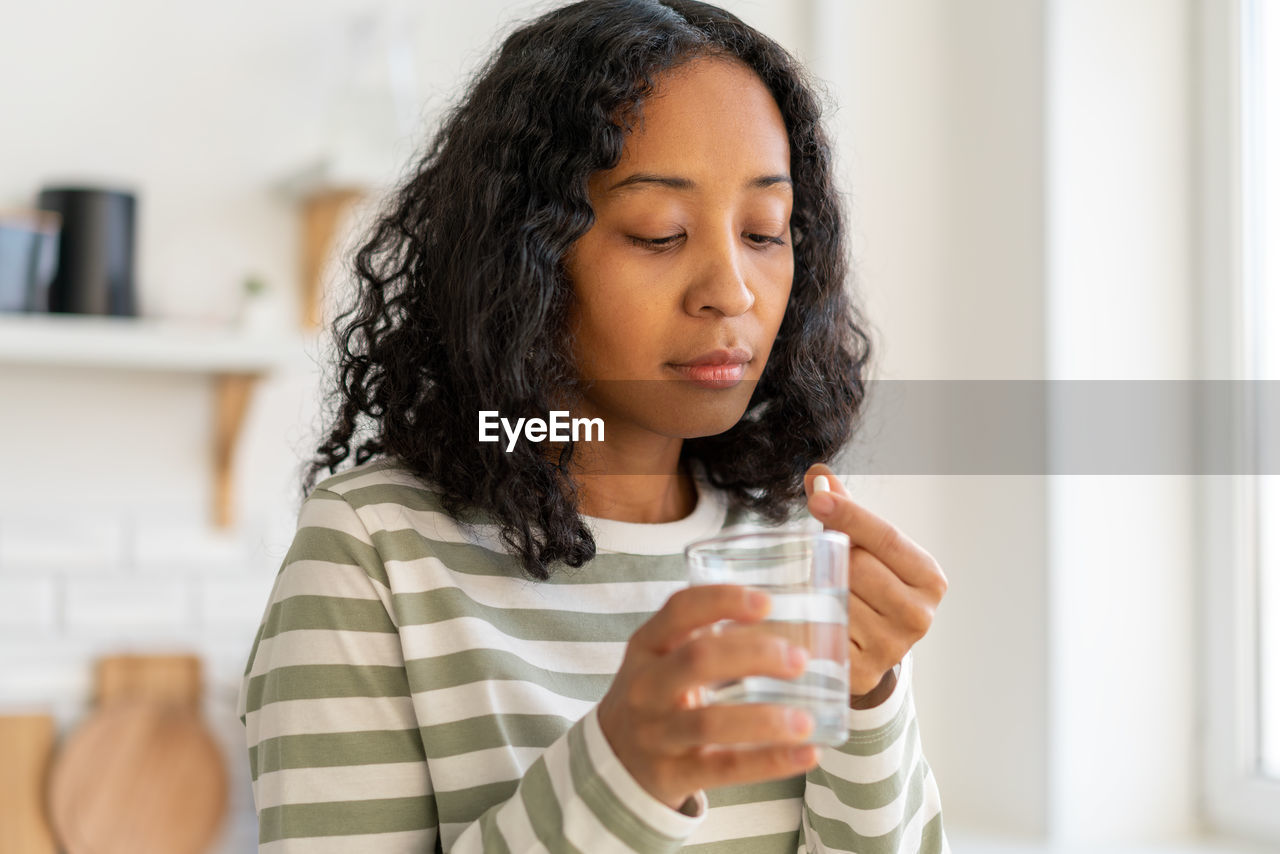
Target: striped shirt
x=411, y=690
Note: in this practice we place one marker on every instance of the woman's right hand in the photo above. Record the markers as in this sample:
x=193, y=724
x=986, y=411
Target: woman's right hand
x=650, y=716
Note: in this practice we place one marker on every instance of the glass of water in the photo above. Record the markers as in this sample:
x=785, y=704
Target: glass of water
x=806, y=574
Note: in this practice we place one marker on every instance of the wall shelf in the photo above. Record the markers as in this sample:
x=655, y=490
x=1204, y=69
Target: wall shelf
x=141, y=344
x=233, y=358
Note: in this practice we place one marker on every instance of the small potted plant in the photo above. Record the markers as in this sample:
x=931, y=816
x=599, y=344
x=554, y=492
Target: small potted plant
x=262, y=309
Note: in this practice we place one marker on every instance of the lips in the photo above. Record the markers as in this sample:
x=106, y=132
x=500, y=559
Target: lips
x=718, y=369
x=723, y=356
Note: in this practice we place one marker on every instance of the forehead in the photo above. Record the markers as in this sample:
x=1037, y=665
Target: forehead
x=710, y=119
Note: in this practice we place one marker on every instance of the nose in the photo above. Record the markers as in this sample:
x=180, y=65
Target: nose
x=718, y=285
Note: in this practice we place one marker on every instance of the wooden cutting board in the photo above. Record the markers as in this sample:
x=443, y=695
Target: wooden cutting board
x=142, y=775
x=26, y=745
x=163, y=678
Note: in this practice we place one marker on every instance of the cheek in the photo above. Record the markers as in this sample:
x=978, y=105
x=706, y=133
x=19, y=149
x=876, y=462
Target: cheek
x=774, y=300
x=618, y=297
x=614, y=329
x=622, y=335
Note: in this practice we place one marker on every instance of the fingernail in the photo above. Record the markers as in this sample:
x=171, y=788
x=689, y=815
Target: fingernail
x=797, y=657
x=757, y=600
x=803, y=755
x=821, y=484
x=821, y=503
x=799, y=721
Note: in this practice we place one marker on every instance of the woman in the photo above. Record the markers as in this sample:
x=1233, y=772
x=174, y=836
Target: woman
x=487, y=644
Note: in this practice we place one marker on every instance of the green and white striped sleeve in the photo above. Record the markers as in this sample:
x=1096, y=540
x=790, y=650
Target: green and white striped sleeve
x=876, y=794
x=577, y=798
x=336, y=752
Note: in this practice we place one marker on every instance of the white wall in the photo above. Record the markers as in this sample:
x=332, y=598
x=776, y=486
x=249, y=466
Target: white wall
x=1121, y=286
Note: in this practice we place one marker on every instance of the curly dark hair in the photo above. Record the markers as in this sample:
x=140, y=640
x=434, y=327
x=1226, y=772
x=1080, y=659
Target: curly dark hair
x=462, y=299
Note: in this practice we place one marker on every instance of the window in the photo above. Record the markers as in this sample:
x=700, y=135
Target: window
x=1240, y=308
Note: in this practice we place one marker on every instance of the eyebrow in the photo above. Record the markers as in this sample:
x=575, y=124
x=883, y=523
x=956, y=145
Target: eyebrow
x=677, y=183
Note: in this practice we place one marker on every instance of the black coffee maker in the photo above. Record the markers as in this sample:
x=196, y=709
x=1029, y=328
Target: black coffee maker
x=95, y=250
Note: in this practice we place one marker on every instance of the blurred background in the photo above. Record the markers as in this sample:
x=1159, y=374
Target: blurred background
x=1040, y=191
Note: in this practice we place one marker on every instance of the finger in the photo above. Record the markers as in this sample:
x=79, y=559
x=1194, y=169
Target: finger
x=738, y=724
x=820, y=639
x=873, y=582
x=711, y=768
x=833, y=482
x=695, y=607
x=867, y=629
x=714, y=658
x=905, y=558
x=903, y=608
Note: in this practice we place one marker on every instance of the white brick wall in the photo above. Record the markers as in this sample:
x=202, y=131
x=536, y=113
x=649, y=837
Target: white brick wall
x=183, y=545
x=99, y=579
x=128, y=606
x=81, y=538
x=28, y=605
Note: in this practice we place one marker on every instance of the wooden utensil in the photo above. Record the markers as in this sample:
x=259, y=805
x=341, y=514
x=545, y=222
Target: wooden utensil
x=26, y=743
x=142, y=774
x=139, y=777
x=161, y=678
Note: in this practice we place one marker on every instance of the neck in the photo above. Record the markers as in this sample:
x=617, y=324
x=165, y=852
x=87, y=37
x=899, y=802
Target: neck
x=637, y=497
x=634, y=484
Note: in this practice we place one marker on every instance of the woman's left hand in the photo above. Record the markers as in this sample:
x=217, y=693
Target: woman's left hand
x=894, y=585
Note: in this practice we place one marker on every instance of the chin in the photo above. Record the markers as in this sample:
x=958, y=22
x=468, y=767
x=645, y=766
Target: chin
x=672, y=409
x=704, y=414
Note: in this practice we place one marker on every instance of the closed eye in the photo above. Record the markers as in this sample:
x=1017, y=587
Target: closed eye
x=655, y=241
x=659, y=242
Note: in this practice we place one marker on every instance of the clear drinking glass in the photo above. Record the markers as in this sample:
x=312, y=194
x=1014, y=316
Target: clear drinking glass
x=806, y=573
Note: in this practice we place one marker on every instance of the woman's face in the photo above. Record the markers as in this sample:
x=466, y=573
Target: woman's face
x=689, y=258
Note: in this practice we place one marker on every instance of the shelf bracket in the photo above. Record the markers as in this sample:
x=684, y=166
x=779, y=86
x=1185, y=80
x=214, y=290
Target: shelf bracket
x=232, y=394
